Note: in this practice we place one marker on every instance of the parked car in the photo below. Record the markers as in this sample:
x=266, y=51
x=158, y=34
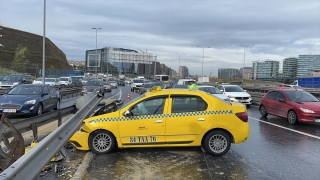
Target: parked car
x=93, y=85
x=146, y=87
x=296, y=105
x=121, y=82
x=11, y=80
x=55, y=82
x=214, y=91
x=186, y=118
x=29, y=99
x=114, y=84
x=107, y=86
x=236, y=93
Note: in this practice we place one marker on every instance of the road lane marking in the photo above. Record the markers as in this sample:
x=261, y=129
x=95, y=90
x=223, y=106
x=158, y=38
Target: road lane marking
x=299, y=132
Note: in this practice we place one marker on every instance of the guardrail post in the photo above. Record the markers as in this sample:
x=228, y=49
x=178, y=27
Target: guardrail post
x=59, y=118
x=34, y=128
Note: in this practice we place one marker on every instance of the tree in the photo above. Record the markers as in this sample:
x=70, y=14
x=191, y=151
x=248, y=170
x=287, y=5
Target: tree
x=21, y=59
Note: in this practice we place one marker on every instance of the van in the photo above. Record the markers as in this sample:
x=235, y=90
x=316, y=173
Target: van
x=186, y=81
x=65, y=81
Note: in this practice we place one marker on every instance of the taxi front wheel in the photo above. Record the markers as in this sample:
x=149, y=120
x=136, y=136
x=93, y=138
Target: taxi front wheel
x=101, y=142
x=217, y=142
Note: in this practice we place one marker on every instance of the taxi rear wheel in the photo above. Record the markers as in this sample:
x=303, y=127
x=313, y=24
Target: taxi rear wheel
x=101, y=142
x=217, y=143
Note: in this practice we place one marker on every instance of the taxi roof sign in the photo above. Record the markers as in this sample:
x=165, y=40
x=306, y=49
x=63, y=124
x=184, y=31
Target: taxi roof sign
x=155, y=88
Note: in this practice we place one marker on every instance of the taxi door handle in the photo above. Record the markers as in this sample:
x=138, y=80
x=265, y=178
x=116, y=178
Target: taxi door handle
x=201, y=119
x=158, y=121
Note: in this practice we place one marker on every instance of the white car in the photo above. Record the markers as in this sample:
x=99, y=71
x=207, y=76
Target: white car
x=37, y=81
x=236, y=94
x=52, y=81
x=114, y=84
x=136, y=84
x=214, y=91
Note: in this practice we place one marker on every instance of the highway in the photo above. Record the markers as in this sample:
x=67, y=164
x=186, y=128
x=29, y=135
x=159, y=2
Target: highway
x=274, y=150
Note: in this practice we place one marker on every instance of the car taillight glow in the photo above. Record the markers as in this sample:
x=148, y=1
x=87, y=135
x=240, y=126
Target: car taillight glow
x=243, y=116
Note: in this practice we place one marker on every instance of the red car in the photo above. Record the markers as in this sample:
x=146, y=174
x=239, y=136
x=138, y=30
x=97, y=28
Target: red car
x=296, y=105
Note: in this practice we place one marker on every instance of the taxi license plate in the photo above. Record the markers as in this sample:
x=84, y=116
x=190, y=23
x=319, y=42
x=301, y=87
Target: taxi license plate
x=317, y=120
x=9, y=110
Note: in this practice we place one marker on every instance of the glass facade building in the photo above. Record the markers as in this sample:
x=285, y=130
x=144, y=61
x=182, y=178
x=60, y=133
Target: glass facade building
x=307, y=63
x=116, y=60
x=265, y=70
x=228, y=72
x=290, y=67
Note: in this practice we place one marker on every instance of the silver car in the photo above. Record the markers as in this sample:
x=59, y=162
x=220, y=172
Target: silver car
x=107, y=86
x=114, y=84
x=214, y=91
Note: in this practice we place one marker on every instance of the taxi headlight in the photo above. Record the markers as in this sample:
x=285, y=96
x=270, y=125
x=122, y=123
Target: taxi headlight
x=306, y=110
x=30, y=102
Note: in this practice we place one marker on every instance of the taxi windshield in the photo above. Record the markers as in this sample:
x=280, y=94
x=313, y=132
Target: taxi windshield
x=129, y=102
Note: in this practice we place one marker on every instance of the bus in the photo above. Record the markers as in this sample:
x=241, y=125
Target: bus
x=162, y=78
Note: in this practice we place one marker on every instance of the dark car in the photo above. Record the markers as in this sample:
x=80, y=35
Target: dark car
x=11, y=80
x=121, y=82
x=76, y=82
x=29, y=99
x=295, y=105
x=2, y=76
x=146, y=87
x=93, y=85
x=159, y=84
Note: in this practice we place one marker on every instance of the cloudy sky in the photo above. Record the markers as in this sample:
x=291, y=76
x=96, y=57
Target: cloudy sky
x=274, y=29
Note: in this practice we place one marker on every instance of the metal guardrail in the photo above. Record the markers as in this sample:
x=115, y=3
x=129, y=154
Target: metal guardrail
x=29, y=165
x=48, y=117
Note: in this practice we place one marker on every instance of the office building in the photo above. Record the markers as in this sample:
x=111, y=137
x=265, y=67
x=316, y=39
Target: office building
x=246, y=73
x=183, y=71
x=227, y=73
x=290, y=67
x=265, y=70
x=307, y=63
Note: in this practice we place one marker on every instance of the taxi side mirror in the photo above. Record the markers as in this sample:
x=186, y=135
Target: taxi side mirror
x=128, y=113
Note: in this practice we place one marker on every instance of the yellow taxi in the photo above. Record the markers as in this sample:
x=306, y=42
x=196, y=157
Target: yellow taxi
x=167, y=118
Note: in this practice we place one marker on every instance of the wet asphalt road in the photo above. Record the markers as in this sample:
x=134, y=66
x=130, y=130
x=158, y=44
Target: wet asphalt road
x=274, y=150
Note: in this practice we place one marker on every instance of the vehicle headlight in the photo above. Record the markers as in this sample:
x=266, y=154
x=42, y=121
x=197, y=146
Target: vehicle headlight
x=84, y=90
x=15, y=83
x=230, y=96
x=30, y=102
x=0, y=83
x=306, y=110
x=134, y=85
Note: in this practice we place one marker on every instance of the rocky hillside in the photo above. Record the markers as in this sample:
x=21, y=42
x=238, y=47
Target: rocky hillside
x=12, y=38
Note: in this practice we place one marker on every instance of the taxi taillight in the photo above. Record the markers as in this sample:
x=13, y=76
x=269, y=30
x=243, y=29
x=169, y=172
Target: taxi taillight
x=243, y=116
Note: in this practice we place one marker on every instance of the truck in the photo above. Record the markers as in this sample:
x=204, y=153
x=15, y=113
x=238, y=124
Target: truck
x=308, y=82
x=122, y=76
x=203, y=79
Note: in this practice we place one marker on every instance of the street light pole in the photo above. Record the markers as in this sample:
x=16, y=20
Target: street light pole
x=244, y=60
x=179, y=62
x=203, y=56
x=96, y=50
x=44, y=42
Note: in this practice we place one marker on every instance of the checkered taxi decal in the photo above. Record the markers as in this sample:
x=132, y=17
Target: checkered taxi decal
x=155, y=116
